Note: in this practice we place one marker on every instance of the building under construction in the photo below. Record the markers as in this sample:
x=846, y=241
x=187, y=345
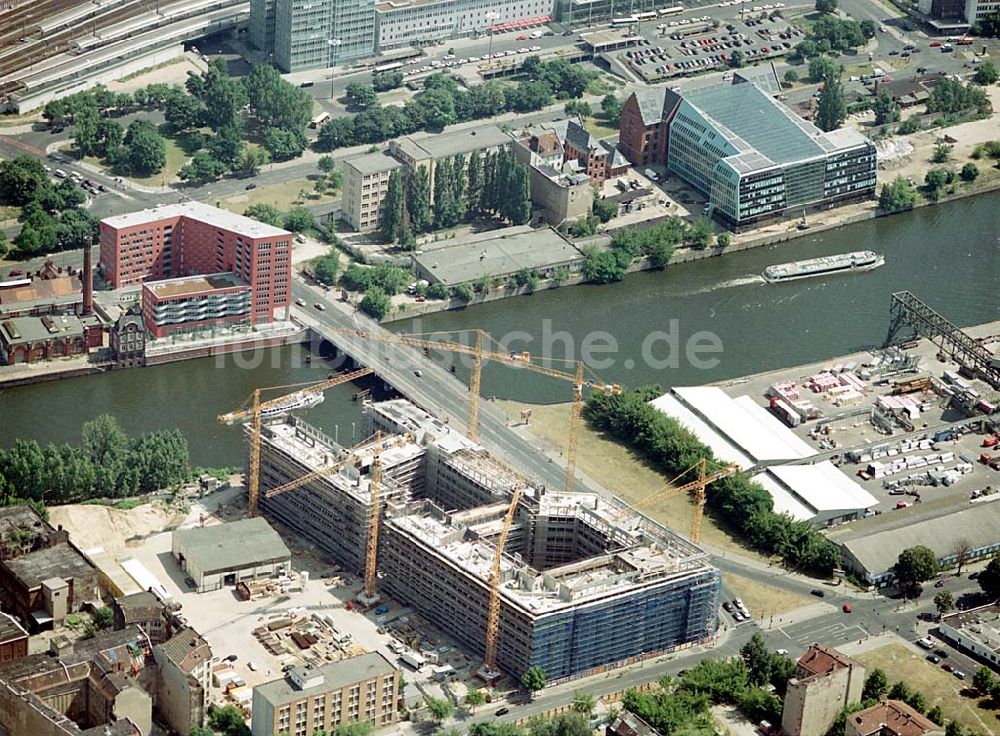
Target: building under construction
x=586, y=583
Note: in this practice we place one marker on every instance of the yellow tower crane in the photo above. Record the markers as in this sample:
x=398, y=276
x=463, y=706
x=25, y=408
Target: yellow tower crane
x=480, y=353
x=489, y=668
x=698, y=486
x=255, y=411
x=368, y=596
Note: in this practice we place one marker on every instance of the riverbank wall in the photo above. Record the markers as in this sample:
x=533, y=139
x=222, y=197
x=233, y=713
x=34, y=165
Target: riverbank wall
x=870, y=211
x=212, y=350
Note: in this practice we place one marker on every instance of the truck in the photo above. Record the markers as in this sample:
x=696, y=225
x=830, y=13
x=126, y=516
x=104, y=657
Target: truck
x=413, y=659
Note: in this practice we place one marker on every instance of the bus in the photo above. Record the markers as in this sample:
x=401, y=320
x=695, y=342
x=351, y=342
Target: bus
x=620, y=22
x=319, y=120
x=386, y=68
x=651, y=15
x=672, y=10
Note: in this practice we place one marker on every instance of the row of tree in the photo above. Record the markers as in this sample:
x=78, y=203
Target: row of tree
x=443, y=102
x=740, y=502
x=494, y=185
x=52, y=215
x=107, y=464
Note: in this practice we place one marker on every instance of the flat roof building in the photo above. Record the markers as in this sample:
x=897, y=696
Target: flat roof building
x=366, y=181
x=976, y=630
x=193, y=303
x=223, y=554
x=423, y=22
x=30, y=339
x=750, y=155
x=308, y=699
x=498, y=255
x=191, y=239
x=304, y=32
x=870, y=548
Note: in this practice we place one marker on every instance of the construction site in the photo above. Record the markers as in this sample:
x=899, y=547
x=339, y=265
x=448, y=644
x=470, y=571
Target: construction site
x=519, y=574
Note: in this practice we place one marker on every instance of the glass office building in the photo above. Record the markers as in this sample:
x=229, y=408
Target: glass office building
x=750, y=155
x=316, y=34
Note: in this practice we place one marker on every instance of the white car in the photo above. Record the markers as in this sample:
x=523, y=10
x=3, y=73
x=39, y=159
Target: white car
x=536, y=48
x=523, y=50
x=300, y=302
x=448, y=57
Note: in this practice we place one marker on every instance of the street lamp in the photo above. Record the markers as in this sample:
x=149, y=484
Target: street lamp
x=491, y=16
x=333, y=43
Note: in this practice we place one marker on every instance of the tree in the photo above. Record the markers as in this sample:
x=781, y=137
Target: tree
x=942, y=153
x=989, y=579
x=228, y=721
x=822, y=67
x=76, y=227
x=249, y=161
x=439, y=708
x=723, y=240
x=935, y=180
x=579, y=108
x=520, y=196
x=145, y=151
x=263, y=212
x=228, y=144
x=915, y=565
x=418, y=199
x=951, y=97
x=944, y=602
x=757, y=658
x=885, y=107
x=285, y=144
x=954, y=728
x=832, y=109
x=876, y=686
x=85, y=130
x=826, y=7
x=103, y=617
x=604, y=210
x=584, y=703
x=21, y=179
x=791, y=76
x=983, y=680
x=612, y=107
x=534, y=679
x=392, y=209
x=736, y=60
x=184, y=112
x=935, y=715
x=274, y=102
x=897, y=195
x=325, y=267
x=326, y=164
x=384, y=81
x=701, y=233
x=299, y=219
x=475, y=698
x=360, y=96
x=203, y=168
x=986, y=74
x=224, y=97
x=376, y=303
x=868, y=28
x=969, y=173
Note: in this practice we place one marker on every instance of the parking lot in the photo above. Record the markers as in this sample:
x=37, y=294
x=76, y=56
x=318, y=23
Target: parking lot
x=701, y=44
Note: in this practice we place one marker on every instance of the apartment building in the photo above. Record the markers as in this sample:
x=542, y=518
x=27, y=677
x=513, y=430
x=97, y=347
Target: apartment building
x=195, y=302
x=750, y=155
x=363, y=689
x=192, y=239
x=366, y=181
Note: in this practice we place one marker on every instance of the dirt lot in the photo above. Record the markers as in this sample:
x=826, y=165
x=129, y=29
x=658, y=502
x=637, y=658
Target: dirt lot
x=102, y=526
x=763, y=600
x=609, y=463
x=902, y=663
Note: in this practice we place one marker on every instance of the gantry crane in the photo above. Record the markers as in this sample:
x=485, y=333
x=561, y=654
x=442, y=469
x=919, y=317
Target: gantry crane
x=698, y=486
x=489, y=669
x=254, y=412
x=368, y=596
x=480, y=353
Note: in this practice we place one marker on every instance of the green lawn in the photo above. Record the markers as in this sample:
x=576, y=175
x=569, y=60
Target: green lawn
x=601, y=85
x=176, y=158
x=283, y=196
x=9, y=212
x=599, y=127
x=939, y=687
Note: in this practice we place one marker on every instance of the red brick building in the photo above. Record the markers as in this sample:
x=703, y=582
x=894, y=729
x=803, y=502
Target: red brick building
x=195, y=302
x=192, y=238
x=645, y=125
x=31, y=339
x=596, y=160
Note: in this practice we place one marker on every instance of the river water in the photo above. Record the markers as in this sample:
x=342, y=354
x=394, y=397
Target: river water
x=947, y=255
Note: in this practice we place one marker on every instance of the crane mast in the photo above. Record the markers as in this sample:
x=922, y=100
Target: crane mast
x=489, y=670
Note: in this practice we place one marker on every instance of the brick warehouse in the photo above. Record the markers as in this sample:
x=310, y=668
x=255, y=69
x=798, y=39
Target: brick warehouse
x=190, y=239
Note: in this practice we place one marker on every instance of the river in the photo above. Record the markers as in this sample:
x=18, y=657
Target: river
x=947, y=255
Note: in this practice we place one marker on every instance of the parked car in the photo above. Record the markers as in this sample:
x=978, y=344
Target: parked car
x=818, y=593
x=933, y=658
x=502, y=711
x=846, y=608
x=948, y=667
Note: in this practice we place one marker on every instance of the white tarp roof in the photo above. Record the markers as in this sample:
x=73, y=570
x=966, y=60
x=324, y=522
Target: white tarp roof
x=745, y=424
x=721, y=448
x=824, y=487
x=784, y=502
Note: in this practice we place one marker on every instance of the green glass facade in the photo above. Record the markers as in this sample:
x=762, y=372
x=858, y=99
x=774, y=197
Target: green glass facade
x=316, y=34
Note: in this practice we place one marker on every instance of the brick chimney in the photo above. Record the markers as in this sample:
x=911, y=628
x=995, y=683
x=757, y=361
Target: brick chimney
x=87, y=277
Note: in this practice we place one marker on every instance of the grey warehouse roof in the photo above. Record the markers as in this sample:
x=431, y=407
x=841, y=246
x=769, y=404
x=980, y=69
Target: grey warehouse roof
x=877, y=549
x=498, y=256
x=231, y=546
x=451, y=144
x=336, y=676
